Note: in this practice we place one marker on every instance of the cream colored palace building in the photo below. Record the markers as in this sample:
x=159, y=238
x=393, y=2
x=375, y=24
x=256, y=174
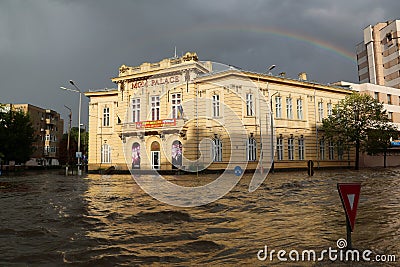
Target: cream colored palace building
x=182, y=113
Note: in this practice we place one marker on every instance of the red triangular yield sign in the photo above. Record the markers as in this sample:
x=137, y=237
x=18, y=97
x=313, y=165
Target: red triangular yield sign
x=349, y=194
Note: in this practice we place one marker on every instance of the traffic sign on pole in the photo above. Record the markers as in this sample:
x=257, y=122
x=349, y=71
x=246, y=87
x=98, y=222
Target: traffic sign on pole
x=349, y=194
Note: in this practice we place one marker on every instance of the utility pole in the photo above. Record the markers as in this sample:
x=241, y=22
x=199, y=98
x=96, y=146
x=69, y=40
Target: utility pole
x=69, y=136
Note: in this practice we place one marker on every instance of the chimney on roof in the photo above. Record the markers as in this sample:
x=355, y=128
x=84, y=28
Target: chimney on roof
x=302, y=76
x=282, y=74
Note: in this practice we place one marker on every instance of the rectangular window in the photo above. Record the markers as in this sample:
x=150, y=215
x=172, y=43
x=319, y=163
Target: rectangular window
x=390, y=116
x=340, y=150
x=291, y=148
x=389, y=99
x=279, y=148
x=299, y=109
x=155, y=108
x=278, y=107
x=289, y=108
x=249, y=105
x=376, y=96
x=136, y=110
x=106, y=117
x=301, y=148
x=322, y=149
x=215, y=105
x=331, y=148
x=320, y=111
x=48, y=137
x=176, y=106
x=329, y=109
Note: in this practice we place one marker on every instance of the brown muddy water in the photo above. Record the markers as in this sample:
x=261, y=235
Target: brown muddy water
x=52, y=220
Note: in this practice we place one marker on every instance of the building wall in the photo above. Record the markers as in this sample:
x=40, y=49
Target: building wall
x=234, y=126
x=378, y=56
x=48, y=130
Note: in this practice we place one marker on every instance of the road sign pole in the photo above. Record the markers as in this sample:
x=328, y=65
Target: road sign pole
x=348, y=238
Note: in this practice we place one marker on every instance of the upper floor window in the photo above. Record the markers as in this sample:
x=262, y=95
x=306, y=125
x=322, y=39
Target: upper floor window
x=215, y=105
x=289, y=108
x=376, y=96
x=155, y=108
x=278, y=107
x=299, y=109
x=136, y=110
x=176, y=100
x=390, y=116
x=329, y=109
x=106, y=116
x=320, y=111
x=249, y=105
x=389, y=99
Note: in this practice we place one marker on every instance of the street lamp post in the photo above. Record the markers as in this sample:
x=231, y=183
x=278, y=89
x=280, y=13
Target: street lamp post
x=271, y=111
x=68, y=141
x=77, y=90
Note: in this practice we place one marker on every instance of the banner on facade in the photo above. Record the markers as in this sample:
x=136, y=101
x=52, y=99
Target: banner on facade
x=155, y=124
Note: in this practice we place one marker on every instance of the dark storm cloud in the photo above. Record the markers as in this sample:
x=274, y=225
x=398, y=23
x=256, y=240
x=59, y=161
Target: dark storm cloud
x=44, y=44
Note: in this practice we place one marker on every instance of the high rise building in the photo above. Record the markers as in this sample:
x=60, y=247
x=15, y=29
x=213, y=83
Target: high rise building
x=378, y=56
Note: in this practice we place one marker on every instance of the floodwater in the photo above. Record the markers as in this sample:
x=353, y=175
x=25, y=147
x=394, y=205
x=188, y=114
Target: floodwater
x=51, y=220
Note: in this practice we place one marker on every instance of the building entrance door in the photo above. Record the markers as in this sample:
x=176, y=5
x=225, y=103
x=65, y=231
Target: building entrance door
x=155, y=160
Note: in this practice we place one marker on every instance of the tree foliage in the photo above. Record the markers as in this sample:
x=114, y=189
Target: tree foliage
x=64, y=156
x=354, y=119
x=16, y=136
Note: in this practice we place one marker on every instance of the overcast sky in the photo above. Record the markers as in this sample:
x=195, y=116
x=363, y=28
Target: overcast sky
x=46, y=43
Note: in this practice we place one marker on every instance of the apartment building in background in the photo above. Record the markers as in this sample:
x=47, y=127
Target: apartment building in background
x=378, y=55
x=48, y=130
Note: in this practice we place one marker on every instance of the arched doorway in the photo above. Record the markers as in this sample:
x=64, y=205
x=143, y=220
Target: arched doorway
x=136, y=156
x=155, y=155
x=176, y=153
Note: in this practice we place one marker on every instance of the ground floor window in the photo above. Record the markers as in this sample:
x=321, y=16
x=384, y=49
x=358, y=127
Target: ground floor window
x=251, y=149
x=176, y=154
x=217, y=150
x=105, y=153
x=301, y=148
x=279, y=148
x=291, y=148
x=331, y=148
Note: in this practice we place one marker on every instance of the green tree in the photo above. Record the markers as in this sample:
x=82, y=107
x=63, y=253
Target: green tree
x=73, y=146
x=353, y=119
x=16, y=136
x=379, y=141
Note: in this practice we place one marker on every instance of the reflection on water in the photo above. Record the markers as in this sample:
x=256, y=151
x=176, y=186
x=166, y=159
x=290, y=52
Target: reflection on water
x=108, y=220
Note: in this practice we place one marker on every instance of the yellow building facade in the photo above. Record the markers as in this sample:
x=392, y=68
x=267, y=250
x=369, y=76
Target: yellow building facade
x=181, y=113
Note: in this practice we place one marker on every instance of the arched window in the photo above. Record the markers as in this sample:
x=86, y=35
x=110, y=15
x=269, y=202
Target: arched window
x=217, y=150
x=105, y=153
x=251, y=149
x=136, y=156
x=176, y=152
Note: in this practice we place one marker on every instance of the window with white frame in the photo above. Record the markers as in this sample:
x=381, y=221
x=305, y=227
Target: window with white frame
x=249, y=105
x=340, y=150
x=217, y=150
x=301, y=148
x=289, y=108
x=105, y=153
x=215, y=105
x=155, y=108
x=251, y=149
x=322, y=149
x=331, y=149
x=176, y=100
x=300, y=109
x=278, y=107
x=136, y=110
x=106, y=116
x=279, y=148
x=320, y=111
x=291, y=148
x=329, y=109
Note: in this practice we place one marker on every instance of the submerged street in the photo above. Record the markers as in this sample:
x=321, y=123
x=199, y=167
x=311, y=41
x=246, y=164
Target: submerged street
x=103, y=220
